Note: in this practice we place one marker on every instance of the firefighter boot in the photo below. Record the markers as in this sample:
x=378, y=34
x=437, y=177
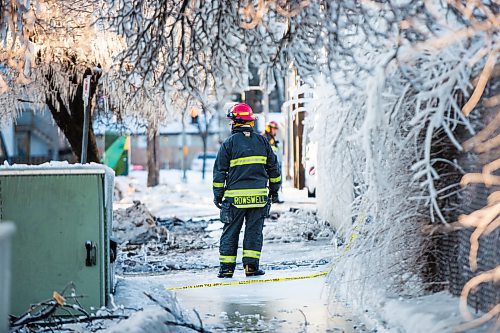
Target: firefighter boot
x=226, y=271
x=251, y=270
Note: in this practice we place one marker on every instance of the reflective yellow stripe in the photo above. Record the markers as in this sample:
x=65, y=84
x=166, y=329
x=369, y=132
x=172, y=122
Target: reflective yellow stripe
x=274, y=148
x=275, y=180
x=245, y=192
x=248, y=160
x=215, y=184
x=251, y=254
x=227, y=259
x=250, y=205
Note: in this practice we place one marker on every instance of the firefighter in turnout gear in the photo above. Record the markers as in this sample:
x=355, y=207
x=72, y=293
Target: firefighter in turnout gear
x=246, y=180
x=270, y=134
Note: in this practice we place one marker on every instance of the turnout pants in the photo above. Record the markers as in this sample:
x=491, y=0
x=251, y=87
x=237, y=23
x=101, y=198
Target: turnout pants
x=252, y=241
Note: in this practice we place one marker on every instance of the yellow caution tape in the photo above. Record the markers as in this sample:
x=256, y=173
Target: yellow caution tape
x=352, y=237
x=250, y=281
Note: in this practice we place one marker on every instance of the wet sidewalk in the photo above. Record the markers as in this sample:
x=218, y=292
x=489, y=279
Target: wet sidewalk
x=285, y=306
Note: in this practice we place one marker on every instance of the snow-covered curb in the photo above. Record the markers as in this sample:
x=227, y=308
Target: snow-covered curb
x=151, y=319
x=436, y=313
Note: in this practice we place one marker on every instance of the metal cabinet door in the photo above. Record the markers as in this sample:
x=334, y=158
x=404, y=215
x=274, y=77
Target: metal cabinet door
x=55, y=215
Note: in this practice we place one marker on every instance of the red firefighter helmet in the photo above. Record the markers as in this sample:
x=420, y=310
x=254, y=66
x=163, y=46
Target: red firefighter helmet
x=271, y=124
x=241, y=113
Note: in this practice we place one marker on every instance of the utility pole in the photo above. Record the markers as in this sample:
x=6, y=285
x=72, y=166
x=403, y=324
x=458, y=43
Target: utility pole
x=289, y=85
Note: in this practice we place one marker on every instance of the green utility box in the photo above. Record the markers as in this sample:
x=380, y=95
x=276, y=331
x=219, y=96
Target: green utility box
x=63, y=214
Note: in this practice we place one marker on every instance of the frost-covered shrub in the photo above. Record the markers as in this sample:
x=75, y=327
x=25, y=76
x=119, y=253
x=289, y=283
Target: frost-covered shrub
x=377, y=121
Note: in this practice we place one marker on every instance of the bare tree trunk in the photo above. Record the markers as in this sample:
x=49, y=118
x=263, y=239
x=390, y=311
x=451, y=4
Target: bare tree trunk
x=153, y=156
x=71, y=121
x=203, y=131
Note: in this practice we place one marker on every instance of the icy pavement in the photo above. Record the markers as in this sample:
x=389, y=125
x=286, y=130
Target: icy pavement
x=287, y=306
x=296, y=244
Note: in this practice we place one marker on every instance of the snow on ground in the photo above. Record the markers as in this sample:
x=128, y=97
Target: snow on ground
x=434, y=313
x=297, y=225
x=150, y=319
x=136, y=225
x=296, y=243
x=172, y=197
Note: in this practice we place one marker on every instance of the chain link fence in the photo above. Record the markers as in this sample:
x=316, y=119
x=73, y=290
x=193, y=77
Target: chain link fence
x=449, y=253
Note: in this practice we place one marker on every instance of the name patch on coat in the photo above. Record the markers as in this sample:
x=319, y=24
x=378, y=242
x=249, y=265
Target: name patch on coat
x=250, y=200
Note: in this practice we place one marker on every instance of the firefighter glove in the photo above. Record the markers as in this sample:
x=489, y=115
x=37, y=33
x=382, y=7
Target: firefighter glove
x=218, y=202
x=273, y=196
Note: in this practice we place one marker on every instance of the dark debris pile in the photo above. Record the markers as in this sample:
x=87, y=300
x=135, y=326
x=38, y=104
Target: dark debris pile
x=151, y=245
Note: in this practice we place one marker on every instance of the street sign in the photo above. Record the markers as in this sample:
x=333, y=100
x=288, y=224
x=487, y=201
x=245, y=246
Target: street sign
x=86, y=89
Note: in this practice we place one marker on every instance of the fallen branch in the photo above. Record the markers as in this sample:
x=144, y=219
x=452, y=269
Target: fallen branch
x=49, y=307
x=305, y=320
x=178, y=320
x=43, y=314
x=75, y=320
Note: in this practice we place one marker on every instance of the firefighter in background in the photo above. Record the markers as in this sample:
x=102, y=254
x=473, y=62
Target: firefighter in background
x=270, y=134
x=246, y=181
